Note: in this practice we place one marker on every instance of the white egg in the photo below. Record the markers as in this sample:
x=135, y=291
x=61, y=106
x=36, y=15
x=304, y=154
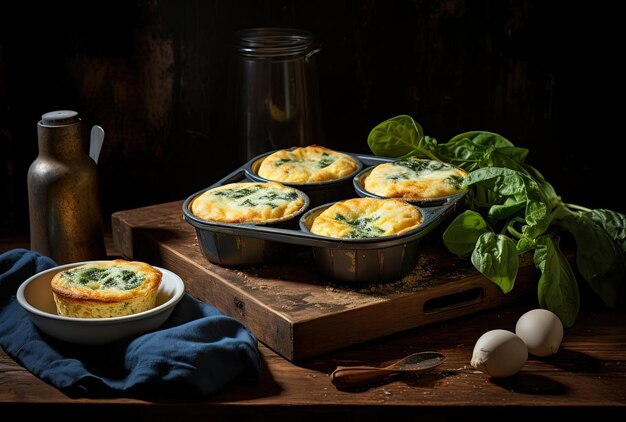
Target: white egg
x=499, y=353
x=541, y=330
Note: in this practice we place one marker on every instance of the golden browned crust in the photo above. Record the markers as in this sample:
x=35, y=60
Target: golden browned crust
x=248, y=202
x=311, y=164
x=366, y=218
x=106, y=289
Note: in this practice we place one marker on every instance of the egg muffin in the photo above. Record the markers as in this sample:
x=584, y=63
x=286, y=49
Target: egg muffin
x=106, y=289
x=249, y=202
x=415, y=178
x=360, y=218
x=311, y=164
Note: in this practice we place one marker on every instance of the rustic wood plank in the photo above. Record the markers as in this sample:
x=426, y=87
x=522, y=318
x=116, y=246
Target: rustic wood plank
x=587, y=377
x=296, y=311
x=588, y=373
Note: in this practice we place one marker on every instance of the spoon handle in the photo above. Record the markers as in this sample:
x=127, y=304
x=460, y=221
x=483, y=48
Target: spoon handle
x=353, y=376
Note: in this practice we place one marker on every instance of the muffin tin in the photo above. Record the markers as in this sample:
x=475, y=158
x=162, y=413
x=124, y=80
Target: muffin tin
x=348, y=260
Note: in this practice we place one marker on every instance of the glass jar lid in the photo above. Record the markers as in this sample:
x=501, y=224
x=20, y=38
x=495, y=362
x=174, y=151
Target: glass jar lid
x=272, y=42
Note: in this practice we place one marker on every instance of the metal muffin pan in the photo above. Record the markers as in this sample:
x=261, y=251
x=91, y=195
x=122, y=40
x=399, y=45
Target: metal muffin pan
x=318, y=192
x=376, y=259
x=359, y=188
x=349, y=260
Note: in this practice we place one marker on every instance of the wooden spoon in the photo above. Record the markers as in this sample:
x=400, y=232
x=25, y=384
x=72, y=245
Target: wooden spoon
x=353, y=376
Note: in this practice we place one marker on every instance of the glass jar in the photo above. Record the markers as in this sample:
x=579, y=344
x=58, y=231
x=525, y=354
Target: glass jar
x=275, y=90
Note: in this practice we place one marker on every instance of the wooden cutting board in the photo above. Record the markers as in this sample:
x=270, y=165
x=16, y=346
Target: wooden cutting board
x=295, y=311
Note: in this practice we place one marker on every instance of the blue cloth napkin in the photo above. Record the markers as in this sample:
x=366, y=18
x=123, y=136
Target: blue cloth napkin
x=194, y=354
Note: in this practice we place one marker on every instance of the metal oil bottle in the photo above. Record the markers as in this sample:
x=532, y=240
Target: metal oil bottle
x=63, y=199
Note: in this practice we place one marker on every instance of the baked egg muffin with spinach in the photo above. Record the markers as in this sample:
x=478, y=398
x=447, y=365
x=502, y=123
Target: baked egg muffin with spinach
x=310, y=164
x=361, y=218
x=105, y=289
x=249, y=202
x=414, y=179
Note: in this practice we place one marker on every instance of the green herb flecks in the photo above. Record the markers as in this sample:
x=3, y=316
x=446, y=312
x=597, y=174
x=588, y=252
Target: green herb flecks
x=421, y=166
x=455, y=181
x=270, y=198
x=248, y=203
x=361, y=227
x=325, y=161
x=256, y=195
x=238, y=193
x=278, y=196
x=85, y=275
x=104, y=278
x=282, y=161
x=398, y=176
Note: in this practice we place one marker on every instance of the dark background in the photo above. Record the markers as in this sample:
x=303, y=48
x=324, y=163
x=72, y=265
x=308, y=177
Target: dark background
x=154, y=75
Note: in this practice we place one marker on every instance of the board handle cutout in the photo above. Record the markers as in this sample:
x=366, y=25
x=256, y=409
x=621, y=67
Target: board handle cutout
x=454, y=300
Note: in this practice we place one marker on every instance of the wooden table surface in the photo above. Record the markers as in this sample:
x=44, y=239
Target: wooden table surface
x=586, y=377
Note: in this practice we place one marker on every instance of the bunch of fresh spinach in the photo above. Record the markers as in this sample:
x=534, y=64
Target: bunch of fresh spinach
x=514, y=210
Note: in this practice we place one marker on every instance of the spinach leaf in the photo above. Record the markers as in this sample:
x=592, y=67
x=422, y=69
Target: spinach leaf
x=513, y=191
x=525, y=244
x=516, y=154
x=398, y=136
x=503, y=181
x=427, y=143
x=547, y=190
x=598, y=258
x=473, y=150
x=483, y=138
x=498, y=158
x=500, y=190
x=537, y=210
x=613, y=223
x=464, y=154
x=557, y=289
x=510, y=206
x=461, y=235
x=495, y=256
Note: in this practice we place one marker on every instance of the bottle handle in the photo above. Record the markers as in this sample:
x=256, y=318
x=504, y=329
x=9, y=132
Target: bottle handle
x=95, y=142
